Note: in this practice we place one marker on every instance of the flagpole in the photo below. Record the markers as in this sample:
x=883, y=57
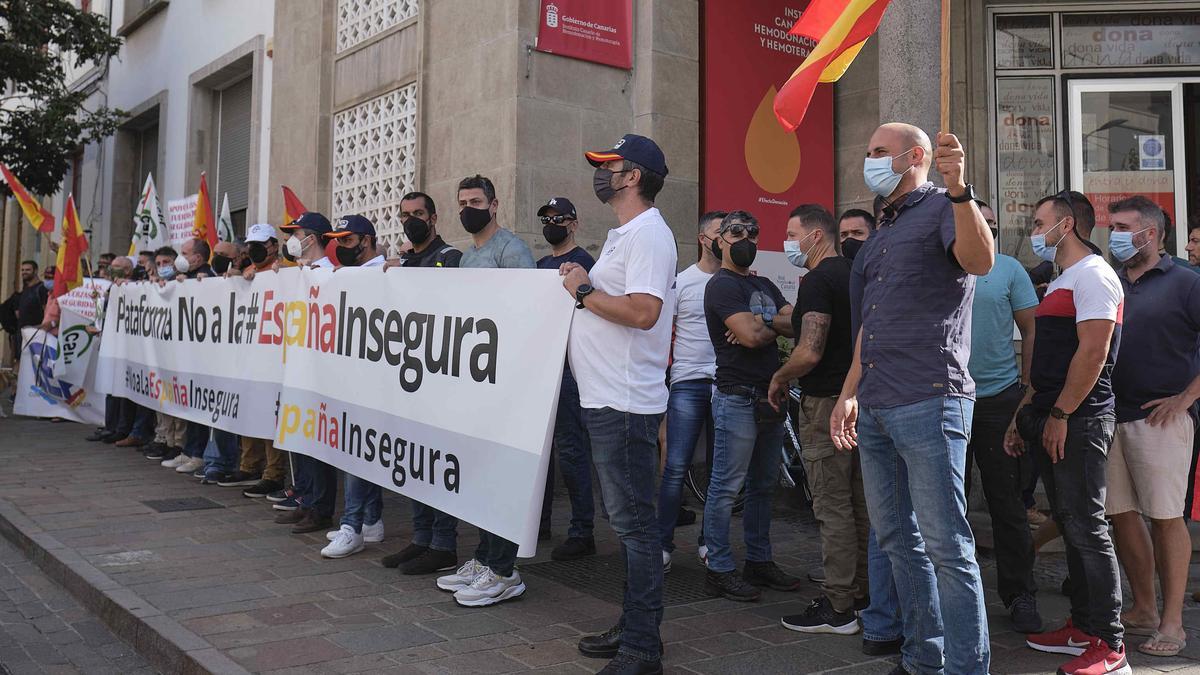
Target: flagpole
x=945, y=80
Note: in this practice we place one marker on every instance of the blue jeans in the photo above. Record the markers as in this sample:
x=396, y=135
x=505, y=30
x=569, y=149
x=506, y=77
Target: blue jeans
x=316, y=484
x=625, y=452
x=574, y=454
x=224, y=452
x=364, y=503
x=881, y=619
x=744, y=451
x=913, y=461
x=497, y=553
x=112, y=413
x=432, y=528
x=688, y=411
x=135, y=420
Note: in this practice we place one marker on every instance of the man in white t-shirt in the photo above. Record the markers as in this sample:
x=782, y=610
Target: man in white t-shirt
x=693, y=366
x=619, y=347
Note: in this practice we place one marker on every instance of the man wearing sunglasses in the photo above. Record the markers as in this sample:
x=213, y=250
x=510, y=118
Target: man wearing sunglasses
x=571, y=449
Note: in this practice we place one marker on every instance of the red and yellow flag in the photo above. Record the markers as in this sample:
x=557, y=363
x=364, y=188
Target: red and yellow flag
x=204, y=227
x=292, y=206
x=40, y=218
x=841, y=28
x=68, y=273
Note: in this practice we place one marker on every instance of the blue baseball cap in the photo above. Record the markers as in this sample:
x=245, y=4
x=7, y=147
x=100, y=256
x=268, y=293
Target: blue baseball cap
x=310, y=220
x=634, y=148
x=355, y=224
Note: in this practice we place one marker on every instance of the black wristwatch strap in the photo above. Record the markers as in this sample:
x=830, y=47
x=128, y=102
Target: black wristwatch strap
x=967, y=196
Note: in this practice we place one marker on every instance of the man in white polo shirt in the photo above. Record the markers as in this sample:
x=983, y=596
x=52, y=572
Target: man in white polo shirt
x=618, y=349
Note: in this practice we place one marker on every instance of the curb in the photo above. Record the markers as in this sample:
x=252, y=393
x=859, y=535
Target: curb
x=161, y=640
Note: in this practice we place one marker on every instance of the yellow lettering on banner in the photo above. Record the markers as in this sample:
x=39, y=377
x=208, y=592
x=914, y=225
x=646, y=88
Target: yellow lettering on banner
x=289, y=421
x=310, y=425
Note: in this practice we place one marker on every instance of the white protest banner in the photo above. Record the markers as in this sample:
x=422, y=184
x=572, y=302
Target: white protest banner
x=181, y=217
x=41, y=394
x=191, y=349
x=78, y=310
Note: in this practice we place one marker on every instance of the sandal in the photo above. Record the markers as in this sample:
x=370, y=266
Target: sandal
x=1145, y=630
x=1173, y=645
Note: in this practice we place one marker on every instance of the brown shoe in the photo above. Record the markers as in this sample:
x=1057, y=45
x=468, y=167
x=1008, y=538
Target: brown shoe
x=130, y=442
x=1036, y=518
x=312, y=523
x=291, y=517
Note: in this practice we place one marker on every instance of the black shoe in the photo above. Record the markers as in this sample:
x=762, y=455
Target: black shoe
x=686, y=517
x=291, y=517
x=602, y=646
x=97, y=435
x=312, y=523
x=1024, y=614
x=407, y=553
x=213, y=477
x=821, y=617
x=730, y=585
x=626, y=664
x=262, y=488
x=817, y=575
x=882, y=647
x=110, y=437
x=239, y=479
x=574, y=548
x=769, y=575
x=430, y=561
x=158, y=452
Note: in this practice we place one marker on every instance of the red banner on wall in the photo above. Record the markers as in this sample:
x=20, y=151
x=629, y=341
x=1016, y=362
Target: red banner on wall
x=750, y=162
x=589, y=30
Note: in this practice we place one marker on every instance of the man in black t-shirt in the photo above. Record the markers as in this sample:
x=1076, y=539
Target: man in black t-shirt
x=820, y=361
x=745, y=314
x=418, y=216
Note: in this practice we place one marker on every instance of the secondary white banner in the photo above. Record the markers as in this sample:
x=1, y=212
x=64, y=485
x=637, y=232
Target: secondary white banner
x=78, y=338
x=439, y=384
x=41, y=394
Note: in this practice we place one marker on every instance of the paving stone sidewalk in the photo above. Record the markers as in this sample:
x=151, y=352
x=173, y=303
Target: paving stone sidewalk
x=268, y=601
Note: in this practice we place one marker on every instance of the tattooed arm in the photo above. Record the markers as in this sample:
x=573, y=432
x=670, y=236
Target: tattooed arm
x=810, y=348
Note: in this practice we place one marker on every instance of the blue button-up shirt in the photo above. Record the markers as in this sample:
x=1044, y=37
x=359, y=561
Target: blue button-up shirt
x=1160, y=338
x=912, y=302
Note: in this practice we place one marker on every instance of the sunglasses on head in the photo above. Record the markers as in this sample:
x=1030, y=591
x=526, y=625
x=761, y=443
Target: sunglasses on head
x=555, y=220
x=738, y=229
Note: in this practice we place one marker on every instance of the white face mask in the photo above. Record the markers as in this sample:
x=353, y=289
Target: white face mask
x=182, y=264
x=295, y=247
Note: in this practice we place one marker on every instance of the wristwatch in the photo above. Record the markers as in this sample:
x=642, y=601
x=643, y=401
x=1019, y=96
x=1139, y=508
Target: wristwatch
x=1058, y=414
x=967, y=196
x=582, y=292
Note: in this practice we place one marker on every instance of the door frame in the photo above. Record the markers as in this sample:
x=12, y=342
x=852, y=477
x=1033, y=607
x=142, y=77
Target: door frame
x=1076, y=87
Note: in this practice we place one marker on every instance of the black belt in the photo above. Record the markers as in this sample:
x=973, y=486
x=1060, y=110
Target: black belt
x=742, y=390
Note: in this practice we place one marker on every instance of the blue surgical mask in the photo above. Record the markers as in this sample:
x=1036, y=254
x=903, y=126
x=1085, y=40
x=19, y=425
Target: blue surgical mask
x=48, y=283
x=166, y=272
x=1121, y=245
x=1040, y=249
x=879, y=175
x=791, y=247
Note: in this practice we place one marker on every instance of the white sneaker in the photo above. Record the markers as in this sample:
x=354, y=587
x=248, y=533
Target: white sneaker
x=347, y=542
x=462, y=578
x=174, y=461
x=373, y=533
x=190, y=465
x=489, y=588
x=702, y=553
x=666, y=561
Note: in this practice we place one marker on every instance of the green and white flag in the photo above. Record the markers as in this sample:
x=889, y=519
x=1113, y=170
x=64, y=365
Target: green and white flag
x=149, y=231
x=225, y=221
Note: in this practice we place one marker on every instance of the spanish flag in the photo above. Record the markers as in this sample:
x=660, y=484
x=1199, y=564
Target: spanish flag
x=292, y=206
x=841, y=28
x=40, y=218
x=203, y=227
x=68, y=273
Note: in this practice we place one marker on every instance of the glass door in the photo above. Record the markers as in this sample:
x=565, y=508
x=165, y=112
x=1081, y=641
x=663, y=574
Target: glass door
x=1126, y=138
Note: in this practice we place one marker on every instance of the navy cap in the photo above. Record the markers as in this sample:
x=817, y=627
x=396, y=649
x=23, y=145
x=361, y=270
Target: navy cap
x=560, y=204
x=634, y=148
x=310, y=220
x=347, y=225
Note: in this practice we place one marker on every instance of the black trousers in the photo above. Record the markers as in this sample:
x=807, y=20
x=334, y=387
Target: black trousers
x=1003, y=480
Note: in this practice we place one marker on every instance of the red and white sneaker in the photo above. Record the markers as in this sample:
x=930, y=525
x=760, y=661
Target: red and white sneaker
x=1099, y=659
x=1065, y=640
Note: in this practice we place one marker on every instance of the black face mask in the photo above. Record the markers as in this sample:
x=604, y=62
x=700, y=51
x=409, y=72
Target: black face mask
x=257, y=251
x=220, y=263
x=602, y=184
x=348, y=257
x=555, y=234
x=416, y=230
x=742, y=252
x=473, y=219
x=716, y=250
x=851, y=247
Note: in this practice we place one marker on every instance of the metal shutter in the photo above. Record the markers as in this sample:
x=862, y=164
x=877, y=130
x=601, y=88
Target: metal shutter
x=233, y=146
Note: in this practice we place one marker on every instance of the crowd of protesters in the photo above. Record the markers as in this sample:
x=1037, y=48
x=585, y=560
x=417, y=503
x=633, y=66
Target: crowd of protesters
x=907, y=375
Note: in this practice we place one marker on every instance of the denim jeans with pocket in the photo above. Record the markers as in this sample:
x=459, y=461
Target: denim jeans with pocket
x=744, y=452
x=625, y=453
x=1076, y=486
x=573, y=454
x=432, y=528
x=497, y=553
x=320, y=484
x=223, y=453
x=364, y=503
x=689, y=411
x=914, y=462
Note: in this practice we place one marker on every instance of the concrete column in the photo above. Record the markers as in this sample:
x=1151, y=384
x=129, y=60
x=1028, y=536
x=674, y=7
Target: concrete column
x=909, y=64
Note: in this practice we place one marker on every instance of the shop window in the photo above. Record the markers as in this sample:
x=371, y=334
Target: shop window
x=1130, y=39
x=1023, y=41
x=1026, y=162
x=374, y=160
